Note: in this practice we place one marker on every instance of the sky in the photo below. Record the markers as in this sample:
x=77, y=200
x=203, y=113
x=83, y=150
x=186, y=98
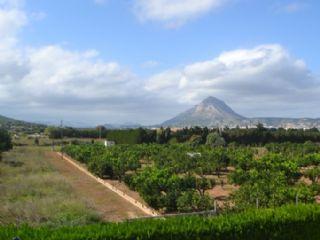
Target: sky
x=143, y=61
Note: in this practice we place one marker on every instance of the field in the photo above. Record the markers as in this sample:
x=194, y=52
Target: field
x=265, y=191
x=33, y=192
x=40, y=189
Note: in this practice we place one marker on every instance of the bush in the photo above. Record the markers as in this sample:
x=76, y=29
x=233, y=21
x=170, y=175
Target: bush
x=5, y=141
x=288, y=222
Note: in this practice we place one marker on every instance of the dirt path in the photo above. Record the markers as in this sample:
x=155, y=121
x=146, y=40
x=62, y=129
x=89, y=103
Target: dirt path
x=111, y=206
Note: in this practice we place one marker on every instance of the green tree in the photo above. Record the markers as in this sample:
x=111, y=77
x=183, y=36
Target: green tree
x=191, y=201
x=215, y=140
x=195, y=140
x=5, y=141
x=203, y=184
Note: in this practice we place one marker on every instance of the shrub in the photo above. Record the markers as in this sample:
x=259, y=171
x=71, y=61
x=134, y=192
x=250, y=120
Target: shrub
x=288, y=222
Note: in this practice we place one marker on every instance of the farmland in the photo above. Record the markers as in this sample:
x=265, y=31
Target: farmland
x=253, y=187
x=182, y=177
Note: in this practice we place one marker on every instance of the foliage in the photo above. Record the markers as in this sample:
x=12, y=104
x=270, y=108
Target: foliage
x=215, y=140
x=5, y=141
x=120, y=136
x=169, y=175
x=287, y=222
x=168, y=171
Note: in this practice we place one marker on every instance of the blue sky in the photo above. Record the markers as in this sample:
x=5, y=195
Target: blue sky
x=114, y=30
x=261, y=57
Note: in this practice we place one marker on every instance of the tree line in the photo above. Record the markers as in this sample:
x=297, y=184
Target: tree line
x=196, y=135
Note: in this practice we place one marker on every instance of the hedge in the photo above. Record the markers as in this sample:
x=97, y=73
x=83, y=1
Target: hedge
x=287, y=222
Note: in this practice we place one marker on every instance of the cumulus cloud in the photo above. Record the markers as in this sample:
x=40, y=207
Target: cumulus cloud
x=11, y=21
x=53, y=81
x=266, y=76
x=53, y=75
x=173, y=13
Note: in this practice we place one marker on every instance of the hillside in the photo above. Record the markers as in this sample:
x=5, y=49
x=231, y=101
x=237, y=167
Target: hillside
x=14, y=125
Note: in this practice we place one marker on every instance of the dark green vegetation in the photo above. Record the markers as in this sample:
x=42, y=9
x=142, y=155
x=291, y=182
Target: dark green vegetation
x=5, y=141
x=287, y=222
x=17, y=126
x=128, y=136
x=252, y=136
x=176, y=177
x=33, y=192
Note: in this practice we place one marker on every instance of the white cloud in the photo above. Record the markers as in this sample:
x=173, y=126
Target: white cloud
x=173, y=13
x=11, y=20
x=261, y=76
x=51, y=73
x=53, y=77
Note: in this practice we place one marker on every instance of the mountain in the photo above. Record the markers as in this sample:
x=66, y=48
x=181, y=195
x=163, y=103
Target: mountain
x=213, y=112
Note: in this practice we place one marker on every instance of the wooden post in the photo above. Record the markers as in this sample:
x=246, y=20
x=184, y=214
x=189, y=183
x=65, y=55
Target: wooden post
x=257, y=202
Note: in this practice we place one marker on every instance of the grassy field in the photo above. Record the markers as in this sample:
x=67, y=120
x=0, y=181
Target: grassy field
x=33, y=192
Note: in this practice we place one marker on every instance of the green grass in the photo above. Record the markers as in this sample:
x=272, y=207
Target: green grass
x=287, y=222
x=33, y=192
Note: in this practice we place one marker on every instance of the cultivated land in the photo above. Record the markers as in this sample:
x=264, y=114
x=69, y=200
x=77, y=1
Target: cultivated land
x=37, y=187
x=249, y=169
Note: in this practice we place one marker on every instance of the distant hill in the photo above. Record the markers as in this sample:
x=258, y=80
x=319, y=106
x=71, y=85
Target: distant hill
x=14, y=125
x=288, y=122
x=213, y=112
x=210, y=112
